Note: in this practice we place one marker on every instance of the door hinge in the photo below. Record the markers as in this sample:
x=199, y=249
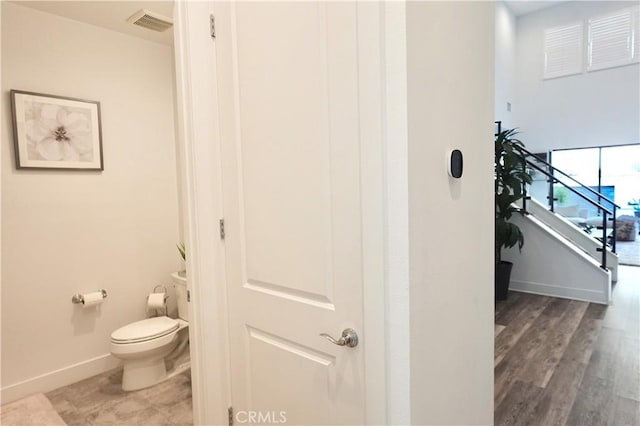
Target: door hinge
x=222, y=233
x=212, y=25
x=230, y=416
x=188, y=296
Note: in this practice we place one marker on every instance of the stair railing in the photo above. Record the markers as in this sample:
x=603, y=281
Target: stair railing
x=550, y=172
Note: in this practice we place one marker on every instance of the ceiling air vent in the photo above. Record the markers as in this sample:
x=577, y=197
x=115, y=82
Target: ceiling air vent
x=151, y=20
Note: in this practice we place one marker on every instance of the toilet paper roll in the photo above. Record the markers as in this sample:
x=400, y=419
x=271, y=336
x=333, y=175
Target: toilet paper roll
x=92, y=299
x=156, y=301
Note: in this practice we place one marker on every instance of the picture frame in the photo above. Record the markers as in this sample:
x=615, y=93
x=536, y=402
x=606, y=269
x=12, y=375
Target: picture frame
x=56, y=132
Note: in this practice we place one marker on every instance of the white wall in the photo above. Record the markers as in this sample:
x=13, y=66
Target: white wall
x=450, y=48
x=67, y=231
x=589, y=109
x=505, y=51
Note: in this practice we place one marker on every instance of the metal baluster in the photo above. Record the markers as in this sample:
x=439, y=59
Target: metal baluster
x=604, y=239
x=614, y=237
x=550, y=196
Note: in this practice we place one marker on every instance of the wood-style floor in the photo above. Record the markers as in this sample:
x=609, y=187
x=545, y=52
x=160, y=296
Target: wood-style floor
x=563, y=362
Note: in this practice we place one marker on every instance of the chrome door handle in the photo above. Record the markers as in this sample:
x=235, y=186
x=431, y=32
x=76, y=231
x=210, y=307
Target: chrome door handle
x=349, y=338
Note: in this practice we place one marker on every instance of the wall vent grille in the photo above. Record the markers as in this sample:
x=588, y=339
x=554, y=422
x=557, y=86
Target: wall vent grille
x=151, y=20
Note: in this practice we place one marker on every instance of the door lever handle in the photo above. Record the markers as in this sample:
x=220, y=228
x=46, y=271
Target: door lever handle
x=349, y=338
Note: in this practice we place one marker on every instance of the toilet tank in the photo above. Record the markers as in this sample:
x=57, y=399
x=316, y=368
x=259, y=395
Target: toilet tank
x=180, y=284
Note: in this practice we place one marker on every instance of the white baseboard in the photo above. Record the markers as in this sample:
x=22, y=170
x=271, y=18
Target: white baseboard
x=58, y=378
x=559, y=291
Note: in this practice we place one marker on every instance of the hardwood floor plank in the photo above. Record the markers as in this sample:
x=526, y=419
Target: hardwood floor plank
x=507, y=309
x=604, y=359
x=561, y=362
x=503, y=379
x=596, y=311
x=617, y=318
x=498, y=329
x=626, y=412
x=556, y=401
x=540, y=369
x=593, y=403
x=611, y=380
x=517, y=359
x=516, y=407
x=627, y=379
x=501, y=305
x=556, y=307
x=584, y=338
x=518, y=325
x=626, y=303
x=561, y=390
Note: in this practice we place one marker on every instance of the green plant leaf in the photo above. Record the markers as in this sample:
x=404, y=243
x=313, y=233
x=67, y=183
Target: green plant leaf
x=182, y=250
x=511, y=173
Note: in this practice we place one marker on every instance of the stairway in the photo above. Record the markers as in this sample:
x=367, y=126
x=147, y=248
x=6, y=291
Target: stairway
x=559, y=259
x=576, y=235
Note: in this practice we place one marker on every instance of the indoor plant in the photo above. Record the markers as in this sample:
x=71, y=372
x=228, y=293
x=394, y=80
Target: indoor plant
x=510, y=175
x=183, y=254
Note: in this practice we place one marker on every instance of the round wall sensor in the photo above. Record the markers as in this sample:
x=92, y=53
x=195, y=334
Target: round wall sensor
x=455, y=164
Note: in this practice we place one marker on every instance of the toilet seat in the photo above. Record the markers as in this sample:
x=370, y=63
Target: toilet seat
x=144, y=330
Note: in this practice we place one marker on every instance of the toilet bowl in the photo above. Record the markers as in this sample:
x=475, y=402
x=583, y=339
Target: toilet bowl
x=144, y=345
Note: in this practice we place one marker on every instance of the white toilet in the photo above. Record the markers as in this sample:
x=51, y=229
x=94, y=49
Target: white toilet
x=144, y=345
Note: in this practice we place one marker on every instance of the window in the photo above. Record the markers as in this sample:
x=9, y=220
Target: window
x=563, y=50
x=613, y=40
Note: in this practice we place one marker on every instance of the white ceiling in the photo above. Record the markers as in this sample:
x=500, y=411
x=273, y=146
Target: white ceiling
x=522, y=7
x=109, y=14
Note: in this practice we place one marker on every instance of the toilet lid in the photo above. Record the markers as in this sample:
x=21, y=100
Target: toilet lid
x=147, y=329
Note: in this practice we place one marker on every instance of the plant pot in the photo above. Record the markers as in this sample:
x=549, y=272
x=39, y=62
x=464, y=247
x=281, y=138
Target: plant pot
x=502, y=278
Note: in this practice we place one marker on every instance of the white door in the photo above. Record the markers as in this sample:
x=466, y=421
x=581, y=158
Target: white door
x=289, y=124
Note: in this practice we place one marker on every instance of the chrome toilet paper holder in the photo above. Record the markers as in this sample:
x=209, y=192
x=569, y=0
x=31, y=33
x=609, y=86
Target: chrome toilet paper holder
x=79, y=298
x=166, y=296
x=159, y=286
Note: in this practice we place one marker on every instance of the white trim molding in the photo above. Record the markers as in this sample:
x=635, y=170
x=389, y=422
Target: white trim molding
x=573, y=293
x=396, y=220
x=58, y=378
x=197, y=108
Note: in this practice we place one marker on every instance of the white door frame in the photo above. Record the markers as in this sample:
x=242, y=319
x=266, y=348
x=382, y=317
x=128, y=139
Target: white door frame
x=197, y=107
x=385, y=234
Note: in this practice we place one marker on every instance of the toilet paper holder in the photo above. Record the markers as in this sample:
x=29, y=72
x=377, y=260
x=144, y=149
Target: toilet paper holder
x=161, y=287
x=163, y=291
x=79, y=298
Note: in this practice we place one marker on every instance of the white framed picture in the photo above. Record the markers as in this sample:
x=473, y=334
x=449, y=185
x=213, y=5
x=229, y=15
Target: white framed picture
x=56, y=132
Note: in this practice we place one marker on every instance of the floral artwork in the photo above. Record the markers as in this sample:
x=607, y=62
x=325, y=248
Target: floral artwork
x=56, y=132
